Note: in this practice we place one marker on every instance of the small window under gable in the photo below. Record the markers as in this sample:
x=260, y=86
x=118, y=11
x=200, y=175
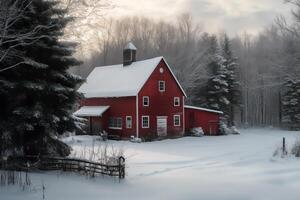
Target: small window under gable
x=145, y=101
x=161, y=86
x=176, y=101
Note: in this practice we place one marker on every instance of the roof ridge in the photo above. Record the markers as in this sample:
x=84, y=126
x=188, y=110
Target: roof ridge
x=121, y=64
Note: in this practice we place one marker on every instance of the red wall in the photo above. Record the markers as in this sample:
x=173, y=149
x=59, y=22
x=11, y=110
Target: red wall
x=198, y=118
x=119, y=107
x=161, y=103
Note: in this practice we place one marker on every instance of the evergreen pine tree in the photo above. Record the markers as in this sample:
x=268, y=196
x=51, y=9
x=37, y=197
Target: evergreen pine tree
x=217, y=86
x=40, y=101
x=291, y=105
x=231, y=66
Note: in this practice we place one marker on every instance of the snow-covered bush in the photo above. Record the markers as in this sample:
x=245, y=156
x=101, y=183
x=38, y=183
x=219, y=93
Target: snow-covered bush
x=197, y=132
x=225, y=130
x=135, y=139
x=234, y=131
x=104, y=135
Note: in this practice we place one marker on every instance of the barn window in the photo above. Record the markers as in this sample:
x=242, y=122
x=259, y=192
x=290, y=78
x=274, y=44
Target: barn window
x=145, y=101
x=176, y=120
x=162, y=86
x=115, y=122
x=145, y=122
x=176, y=101
x=128, y=122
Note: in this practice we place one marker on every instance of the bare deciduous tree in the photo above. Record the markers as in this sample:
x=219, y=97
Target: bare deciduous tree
x=11, y=13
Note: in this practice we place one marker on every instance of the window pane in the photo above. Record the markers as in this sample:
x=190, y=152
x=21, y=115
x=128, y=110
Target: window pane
x=115, y=122
x=176, y=101
x=161, y=85
x=145, y=122
x=128, y=122
x=145, y=101
x=176, y=120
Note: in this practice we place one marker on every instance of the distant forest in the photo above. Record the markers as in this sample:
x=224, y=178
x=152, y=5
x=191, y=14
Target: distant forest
x=265, y=60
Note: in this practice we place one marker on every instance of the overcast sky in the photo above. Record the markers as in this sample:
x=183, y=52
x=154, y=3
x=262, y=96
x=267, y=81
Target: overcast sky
x=233, y=16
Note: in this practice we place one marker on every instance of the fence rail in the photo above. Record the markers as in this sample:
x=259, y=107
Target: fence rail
x=76, y=165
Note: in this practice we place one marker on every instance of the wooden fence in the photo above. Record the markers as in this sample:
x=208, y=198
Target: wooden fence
x=75, y=165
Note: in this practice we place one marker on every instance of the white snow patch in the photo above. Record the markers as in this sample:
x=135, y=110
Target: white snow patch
x=91, y=111
x=118, y=80
x=121, y=81
x=130, y=46
x=197, y=132
x=230, y=167
x=203, y=109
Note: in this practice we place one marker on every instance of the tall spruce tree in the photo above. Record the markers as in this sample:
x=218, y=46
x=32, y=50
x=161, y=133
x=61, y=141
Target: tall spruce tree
x=40, y=99
x=291, y=105
x=217, y=86
x=231, y=66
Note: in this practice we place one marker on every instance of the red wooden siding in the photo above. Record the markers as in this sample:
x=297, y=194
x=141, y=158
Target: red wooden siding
x=209, y=121
x=119, y=107
x=161, y=103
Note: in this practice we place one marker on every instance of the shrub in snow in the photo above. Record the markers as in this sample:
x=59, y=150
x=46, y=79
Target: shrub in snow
x=280, y=152
x=197, y=132
x=225, y=130
x=296, y=148
x=104, y=153
x=135, y=139
x=104, y=135
x=234, y=131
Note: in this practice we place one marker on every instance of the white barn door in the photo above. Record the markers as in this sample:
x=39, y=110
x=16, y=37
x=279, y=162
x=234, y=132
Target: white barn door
x=161, y=126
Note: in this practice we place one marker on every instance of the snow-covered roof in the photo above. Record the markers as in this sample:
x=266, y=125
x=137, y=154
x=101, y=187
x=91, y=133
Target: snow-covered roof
x=203, y=109
x=91, y=111
x=130, y=46
x=120, y=81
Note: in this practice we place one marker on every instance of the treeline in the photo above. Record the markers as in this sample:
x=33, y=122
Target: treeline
x=264, y=61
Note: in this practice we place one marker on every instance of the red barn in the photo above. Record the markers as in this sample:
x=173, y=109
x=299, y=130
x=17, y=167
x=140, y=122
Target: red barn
x=136, y=98
x=207, y=119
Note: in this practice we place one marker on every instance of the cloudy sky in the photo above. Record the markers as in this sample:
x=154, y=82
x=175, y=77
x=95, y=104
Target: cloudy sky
x=233, y=16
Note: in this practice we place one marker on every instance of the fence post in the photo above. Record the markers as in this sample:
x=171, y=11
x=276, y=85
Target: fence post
x=283, y=146
x=121, y=167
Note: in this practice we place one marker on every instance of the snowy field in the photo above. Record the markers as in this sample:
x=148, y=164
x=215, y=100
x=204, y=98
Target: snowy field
x=226, y=167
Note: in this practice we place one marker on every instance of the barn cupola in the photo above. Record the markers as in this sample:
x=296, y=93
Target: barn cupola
x=129, y=54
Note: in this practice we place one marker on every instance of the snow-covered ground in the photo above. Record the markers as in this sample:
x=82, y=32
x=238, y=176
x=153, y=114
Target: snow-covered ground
x=226, y=167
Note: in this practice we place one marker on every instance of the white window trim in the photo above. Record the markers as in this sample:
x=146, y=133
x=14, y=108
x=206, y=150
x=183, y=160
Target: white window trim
x=146, y=116
x=176, y=98
x=175, y=121
x=129, y=117
x=164, y=86
x=117, y=128
x=146, y=97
